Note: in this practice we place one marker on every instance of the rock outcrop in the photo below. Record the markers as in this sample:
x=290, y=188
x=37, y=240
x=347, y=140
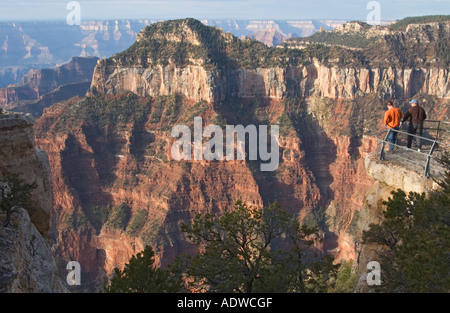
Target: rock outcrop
x=41, y=88
x=194, y=82
x=335, y=82
x=110, y=152
x=19, y=155
x=388, y=177
x=26, y=259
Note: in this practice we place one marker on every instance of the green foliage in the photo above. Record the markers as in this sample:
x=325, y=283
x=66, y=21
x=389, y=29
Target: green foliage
x=173, y=107
x=215, y=49
x=285, y=124
x=317, y=218
x=99, y=215
x=15, y=192
x=119, y=217
x=196, y=110
x=77, y=220
x=443, y=46
x=363, y=48
x=154, y=48
x=137, y=222
x=141, y=276
x=157, y=110
x=347, y=278
x=106, y=111
x=166, y=109
x=151, y=231
x=242, y=251
x=347, y=39
x=353, y=227
x=319, y=51
x=253, y=54
x=415, y=235
x=403, y=24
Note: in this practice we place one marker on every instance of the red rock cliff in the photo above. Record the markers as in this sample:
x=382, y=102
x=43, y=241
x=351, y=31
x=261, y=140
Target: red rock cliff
x=116, y=187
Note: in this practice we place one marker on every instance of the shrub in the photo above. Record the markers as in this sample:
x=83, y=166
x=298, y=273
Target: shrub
x=137, y=222
x=119, y=217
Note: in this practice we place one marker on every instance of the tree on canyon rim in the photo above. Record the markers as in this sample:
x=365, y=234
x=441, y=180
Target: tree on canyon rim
x=249, y=249
x=141, y=276
x=415, y=240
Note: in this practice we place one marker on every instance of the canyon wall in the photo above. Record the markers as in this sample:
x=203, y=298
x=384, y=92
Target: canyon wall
x=117, y=187
x=20, y=155
x=389, y=176
x=26, y=259
x=334, y=82
x=41, y=88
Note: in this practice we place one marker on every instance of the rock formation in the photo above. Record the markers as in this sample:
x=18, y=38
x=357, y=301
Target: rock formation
x=389, y=176
x=26, y=260
x=41, y=88
x=117, y=188
x=19, y=155
x=42, y=44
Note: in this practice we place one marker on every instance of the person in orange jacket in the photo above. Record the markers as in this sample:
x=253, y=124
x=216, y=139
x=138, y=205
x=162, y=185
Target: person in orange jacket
x=392, y=119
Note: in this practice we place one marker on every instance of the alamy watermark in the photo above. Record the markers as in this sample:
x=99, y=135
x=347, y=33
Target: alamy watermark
x=187, y=149
x=74, y=276
x=74, y=16
x=373, y=277
x=374, y=16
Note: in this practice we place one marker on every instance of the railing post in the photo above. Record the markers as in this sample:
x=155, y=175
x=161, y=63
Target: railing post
x=438, y=128
x=427, y=166
x=384, y=144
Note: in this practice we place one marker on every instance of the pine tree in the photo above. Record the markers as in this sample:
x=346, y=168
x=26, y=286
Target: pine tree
x=250, y=249
x=140, y=276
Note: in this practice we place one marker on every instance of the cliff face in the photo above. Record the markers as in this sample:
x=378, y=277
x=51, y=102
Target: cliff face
x=117, y=188
x=194, y=82
x=45, y=80
x=26, y=260
x=37, y=45
x=19, y=154
x=388, y=176
x=391, y=82
x=334, y=82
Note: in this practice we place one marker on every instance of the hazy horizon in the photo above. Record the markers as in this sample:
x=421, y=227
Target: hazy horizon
x=56, y=10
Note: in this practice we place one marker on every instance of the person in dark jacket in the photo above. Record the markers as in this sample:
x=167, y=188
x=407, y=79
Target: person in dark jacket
x=415, y=115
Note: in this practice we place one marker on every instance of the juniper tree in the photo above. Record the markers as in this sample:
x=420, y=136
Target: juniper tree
x=141, y=276
x=415, y=240
x=249, y=249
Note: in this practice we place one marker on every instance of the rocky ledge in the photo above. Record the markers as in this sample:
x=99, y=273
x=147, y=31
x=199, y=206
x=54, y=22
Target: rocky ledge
x=19, y=155
x=26, y=261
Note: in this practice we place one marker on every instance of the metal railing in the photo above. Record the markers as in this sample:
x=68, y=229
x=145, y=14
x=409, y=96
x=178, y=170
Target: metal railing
x=430, y=149
x=442, y=129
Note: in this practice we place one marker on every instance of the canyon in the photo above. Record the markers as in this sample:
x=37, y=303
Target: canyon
x=116, y=187
x=108, y=184
x=27, y=264
x=41, y=88
x=47, y=44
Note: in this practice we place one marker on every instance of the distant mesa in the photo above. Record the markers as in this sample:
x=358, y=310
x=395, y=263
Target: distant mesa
x=41, y=88
x=37, y=45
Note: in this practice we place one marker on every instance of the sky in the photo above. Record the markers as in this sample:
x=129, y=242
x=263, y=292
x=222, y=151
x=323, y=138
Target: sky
x=389, y=10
